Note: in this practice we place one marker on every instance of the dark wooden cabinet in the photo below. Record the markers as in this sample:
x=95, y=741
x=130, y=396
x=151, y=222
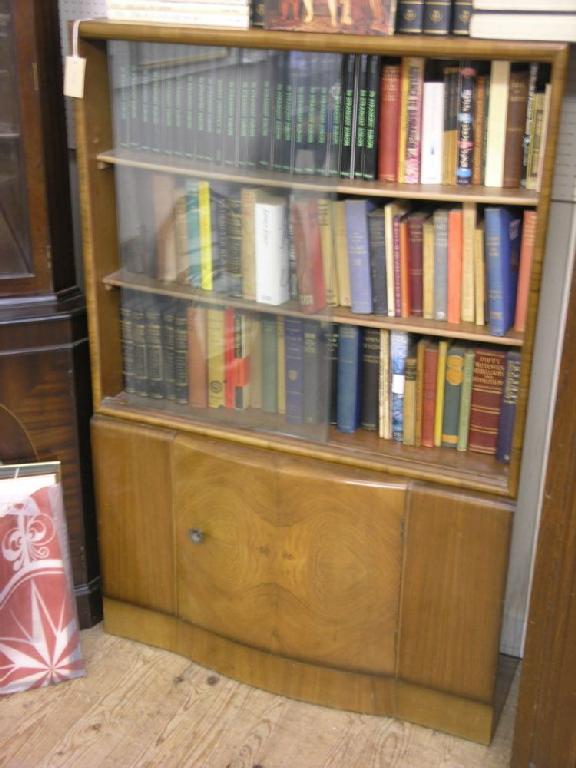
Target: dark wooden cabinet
x=45, y=397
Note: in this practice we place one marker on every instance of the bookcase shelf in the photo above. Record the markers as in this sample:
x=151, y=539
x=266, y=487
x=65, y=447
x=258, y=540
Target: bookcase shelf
x=470, y=331
x=180, y=166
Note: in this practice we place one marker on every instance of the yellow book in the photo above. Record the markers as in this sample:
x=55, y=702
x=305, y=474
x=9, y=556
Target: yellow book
x=403, y=128
x=479, y=274
x=410, y=401
x=467, y=293
x=428, y=270
x=384, y=420
x=440, y=376
x=419, y=391
x=326, y=238
x=215, y=353
x=281, y=366
x=205, y=221
x=341, y=252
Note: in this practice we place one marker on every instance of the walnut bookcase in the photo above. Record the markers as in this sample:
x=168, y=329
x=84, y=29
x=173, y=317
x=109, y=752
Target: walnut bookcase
x=352, y=571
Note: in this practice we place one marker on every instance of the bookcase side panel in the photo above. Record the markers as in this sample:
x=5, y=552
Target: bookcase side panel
x=456, y=556
x=133, y=489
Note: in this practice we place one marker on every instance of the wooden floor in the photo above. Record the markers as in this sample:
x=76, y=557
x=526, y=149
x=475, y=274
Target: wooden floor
x=139, y=706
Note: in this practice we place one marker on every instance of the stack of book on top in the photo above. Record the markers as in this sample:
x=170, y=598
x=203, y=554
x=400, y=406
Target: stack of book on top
x=200, y=13
x=524, y=19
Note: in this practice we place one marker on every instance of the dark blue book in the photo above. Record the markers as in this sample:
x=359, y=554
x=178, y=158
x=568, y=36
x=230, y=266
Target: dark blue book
x=509, y=403
x=359, y=255
x=349, y=384
x=399, y=344
x=377, y=232
x=294, y=356
x=501, y=252
x=315, y=380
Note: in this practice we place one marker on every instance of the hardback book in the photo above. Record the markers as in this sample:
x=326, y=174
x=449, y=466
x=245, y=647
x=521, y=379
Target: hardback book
x=496, y=123
x=181, y=236
x=315, y=390
x=465, y=125
x=281, y=351
x=480, y=112
x=465, y=401
x=181, y=385
x=389, y=123
x=361, y=93
x=420, y=349
x=294, y=348
x=369, y=163
x=154, y=350
x=432, y=133
x=307, y=242
x=409, y=404
x=194, y=277
x=525, y=6
x=479, y=275
x=410, y=138
x=415, y=230
x=348, y=138
x=524, y=26
x=233, y=235
x=402, y=267
x=410, y=16
x=392, y=213
x=359, y=255
x=377, y=238
x=241, y=362
x=326, y=226
x=515, y=126
x=533, y=78
x=248, y=198
x=454, y=265
x=341, y=251
x=206, y=235
x=429, y=383
x=127, y=344
x=461, y=15
x=349, y=381
x=168, y=344
x=269, y=364
x=502, y=245
x=399, y=344
x=509, y=403
x=384, y=421
x=163, y=190
x=317, y=16
x=468, y=298
x=486, y=403
x=440, y=382
x=450, y=136
x=332, y=335
x=370, y=378
x=271, y=251
x=216, y=367
x=437, y=15
x=440, y=217
x=428, y=269
x=140, y=349
x=255, y=355
x=525, y=269
x=453, y=379
x=229, y=357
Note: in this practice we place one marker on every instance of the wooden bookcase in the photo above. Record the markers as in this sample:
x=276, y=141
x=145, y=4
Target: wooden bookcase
x=348, y=571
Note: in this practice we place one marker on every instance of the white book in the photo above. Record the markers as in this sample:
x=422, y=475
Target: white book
x=271, y=251
x=559, y=27
x=526, y=6
x=432, y=133
x=496, y=126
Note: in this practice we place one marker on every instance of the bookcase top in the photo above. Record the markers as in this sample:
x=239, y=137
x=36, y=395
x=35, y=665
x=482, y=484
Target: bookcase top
x=393, y=45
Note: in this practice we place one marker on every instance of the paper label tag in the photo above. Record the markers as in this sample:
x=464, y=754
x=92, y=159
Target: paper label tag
x=398, y=384
x=74, y=71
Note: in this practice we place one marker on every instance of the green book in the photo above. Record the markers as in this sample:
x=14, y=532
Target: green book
x=452, y=396
x=465, y=401
x=269, y=364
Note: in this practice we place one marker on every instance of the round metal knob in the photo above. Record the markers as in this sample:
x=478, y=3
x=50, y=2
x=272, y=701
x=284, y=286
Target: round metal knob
x=196, y=536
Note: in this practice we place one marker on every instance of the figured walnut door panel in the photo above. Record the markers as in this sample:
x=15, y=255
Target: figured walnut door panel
x=298, y=557
x=132, y=474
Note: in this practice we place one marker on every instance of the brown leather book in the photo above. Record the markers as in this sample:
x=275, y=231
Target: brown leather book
x=429, y=394
x=487, y=385
x=308, y=249
x=515, y=127
x=197, y=372
x=479, y=130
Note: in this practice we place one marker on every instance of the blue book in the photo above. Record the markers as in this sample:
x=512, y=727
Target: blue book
x=348, y=400
x=294, y=356
x=359, y=255
x=509, y=403
x=399, y=343
x=501, y=253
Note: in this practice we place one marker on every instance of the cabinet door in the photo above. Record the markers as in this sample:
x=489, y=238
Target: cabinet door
x=289, y=555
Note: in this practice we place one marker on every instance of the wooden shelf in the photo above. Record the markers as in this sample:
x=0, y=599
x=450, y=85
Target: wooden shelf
x=155, y=161
x=468, y=331
x=362, y=448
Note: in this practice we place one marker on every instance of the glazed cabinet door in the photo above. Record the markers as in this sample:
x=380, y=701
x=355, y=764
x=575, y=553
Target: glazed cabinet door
x=289, y=555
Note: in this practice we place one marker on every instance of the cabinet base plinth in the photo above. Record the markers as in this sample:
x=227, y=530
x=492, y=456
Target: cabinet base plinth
x=325, y=686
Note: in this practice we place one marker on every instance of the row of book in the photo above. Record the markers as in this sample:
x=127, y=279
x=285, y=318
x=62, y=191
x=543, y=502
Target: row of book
x=393, y=260
x=353, y=116
x=421, y=392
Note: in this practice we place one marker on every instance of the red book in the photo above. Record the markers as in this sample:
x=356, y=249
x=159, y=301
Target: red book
x=389, y=123
x=487, y=386
x=308, y=250
x=229, y=377
x=396, y=250
x=526, y=255
x=429, y=394
x=197, y=371
x=454, y=265
x=405, y=299
x=415, y=244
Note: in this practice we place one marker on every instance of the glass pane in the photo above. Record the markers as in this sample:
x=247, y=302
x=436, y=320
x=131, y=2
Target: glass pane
x=14, y=236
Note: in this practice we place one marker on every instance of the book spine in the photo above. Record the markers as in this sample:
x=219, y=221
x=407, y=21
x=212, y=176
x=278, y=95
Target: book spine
x=218, y=234
x=370, y=378
x=181, y=385
x=535, y=142
x=121, y=86
x=428, y=270
x=415, y=260
x=496, y=124
x=294, y=345
x=134, y=107
x=181, y=236
x=281, y=352
x=200, y=121
x=145, y=106
x=530, y=103
x=163, y=187
x=420, y=348
x=347, y=114
x=269, y=364
x=410, y=17
x=396, y=260
x=436, y=17
x=247, y=205
x=348, y=400
x=440, y=382
x=515, y=127
x=255, y=354
x=169, y=345
x=429, y=394
x=301, y=87
x=308, y=250
x=479, y=275
x=389, y=123
x=501, y=235
x=313, y=89
x=525, y=270
x=341, y=247
x=197, y=357
x=219, y=117
x=266, y=117
x=480, y=104
x=465, y=127
x=271, y=256
x=441, y=264
x=281, y=69
x=286, y=162
x=487, y=385
x=325, y=224
x=449, y=139
x=432, y=133
x=323, y=116
x=154, y=352
x=332, y=364
x=361, y=98
x=205, y=228
x=168, y=113
x=314, y=362
x=467, y=310
x=377, y=239
x=454, y=265
x=372, y=118
x=452, y=395
x=127, y=347
x=398, y=353
x=509, y=403
x=335, y=111
x=384, y=422
x=405, y=286
x=229, y=358
x=241, y=361
x=231, y=113
x=409, y=404
x=140, y=349
x=190, y=88
x=465, y=401
x=156, y=101
x=461, y=14
x=414, y=121
x=216, y=358
x=359, y=255
x=234, y=226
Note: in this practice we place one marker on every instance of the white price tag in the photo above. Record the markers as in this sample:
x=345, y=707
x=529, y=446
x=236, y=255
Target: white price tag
x=74, y=68
x=398, y=384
